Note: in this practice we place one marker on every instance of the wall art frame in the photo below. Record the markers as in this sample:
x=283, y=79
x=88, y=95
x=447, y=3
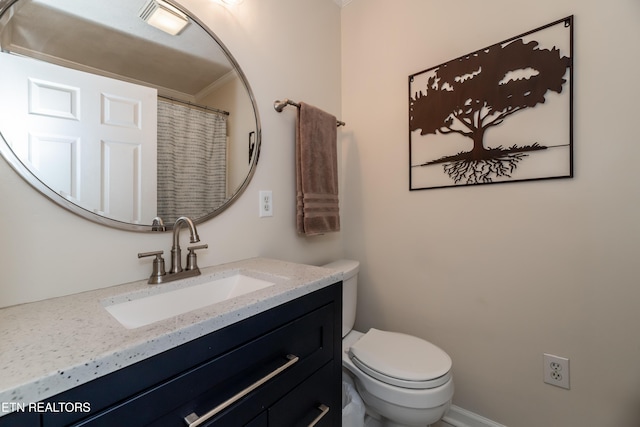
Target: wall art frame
x=500, y=114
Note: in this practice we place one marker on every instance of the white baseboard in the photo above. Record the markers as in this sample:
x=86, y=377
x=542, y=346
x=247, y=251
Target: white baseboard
x=459, y=417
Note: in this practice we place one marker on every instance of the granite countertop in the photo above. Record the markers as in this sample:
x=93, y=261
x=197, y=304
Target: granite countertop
x=51, y=346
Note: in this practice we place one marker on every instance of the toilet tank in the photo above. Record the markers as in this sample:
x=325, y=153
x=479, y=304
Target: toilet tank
x=349, y=271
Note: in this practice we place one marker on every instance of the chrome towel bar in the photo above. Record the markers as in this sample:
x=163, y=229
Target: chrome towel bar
x=279, y=106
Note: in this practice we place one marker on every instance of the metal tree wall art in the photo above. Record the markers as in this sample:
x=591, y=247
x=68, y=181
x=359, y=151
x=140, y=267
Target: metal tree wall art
x=499, y=114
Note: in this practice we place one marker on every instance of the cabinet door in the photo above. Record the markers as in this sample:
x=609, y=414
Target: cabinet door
x=311, y=403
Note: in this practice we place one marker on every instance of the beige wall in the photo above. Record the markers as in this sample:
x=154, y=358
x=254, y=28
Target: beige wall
x=287, y=48
x=496, y=275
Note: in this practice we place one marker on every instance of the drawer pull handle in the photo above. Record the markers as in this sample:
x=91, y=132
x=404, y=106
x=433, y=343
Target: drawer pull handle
x=325, y=410
x=193, y=420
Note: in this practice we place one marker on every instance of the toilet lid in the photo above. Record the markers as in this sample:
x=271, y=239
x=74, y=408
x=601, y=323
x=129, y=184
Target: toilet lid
x=401, y=360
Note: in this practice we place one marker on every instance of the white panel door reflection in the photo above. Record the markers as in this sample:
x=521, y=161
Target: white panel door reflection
x=87, y=137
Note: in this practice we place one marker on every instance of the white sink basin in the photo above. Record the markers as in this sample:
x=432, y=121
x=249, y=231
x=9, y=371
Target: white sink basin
x=148, y=309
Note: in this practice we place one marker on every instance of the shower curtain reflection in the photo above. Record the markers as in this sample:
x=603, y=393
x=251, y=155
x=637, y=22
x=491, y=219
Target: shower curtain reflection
x=192, y=154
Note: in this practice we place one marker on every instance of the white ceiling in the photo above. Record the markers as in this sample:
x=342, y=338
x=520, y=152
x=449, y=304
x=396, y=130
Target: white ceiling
x=110, y=36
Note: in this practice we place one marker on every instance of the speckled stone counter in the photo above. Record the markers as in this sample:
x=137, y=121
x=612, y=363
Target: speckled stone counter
x=51, y=346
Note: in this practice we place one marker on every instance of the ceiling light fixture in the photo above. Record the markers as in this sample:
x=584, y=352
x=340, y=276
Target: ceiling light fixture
x=163, y=16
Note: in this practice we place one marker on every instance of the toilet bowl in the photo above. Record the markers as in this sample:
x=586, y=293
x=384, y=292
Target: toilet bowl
x=403, y=380
x=405, y=397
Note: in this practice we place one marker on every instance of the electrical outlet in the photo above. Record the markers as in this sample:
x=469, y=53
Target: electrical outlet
x=556, y=370
x=266, y=203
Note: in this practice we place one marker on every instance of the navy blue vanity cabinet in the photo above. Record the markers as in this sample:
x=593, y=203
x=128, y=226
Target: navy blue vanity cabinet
x=280, y=368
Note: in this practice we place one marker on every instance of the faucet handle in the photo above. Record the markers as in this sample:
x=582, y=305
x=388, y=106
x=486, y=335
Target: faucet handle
x=192, y=260
x=158, y=266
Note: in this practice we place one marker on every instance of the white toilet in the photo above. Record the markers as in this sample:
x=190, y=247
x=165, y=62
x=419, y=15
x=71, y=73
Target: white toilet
x=403, y=380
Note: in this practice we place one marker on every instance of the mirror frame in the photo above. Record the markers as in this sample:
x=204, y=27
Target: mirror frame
x=19, y=167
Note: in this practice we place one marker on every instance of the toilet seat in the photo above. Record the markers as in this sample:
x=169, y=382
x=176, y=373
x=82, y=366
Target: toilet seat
x=401, y=360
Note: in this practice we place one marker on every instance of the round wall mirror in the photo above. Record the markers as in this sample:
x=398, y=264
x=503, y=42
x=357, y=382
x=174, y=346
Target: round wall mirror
x=126, y=112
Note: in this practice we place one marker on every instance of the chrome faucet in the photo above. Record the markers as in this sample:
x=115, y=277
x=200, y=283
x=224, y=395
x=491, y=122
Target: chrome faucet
x=176, y=253
x=157, y=224
x=176, y=272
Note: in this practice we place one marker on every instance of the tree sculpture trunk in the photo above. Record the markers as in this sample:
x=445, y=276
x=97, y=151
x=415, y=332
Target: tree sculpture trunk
x=478, y=152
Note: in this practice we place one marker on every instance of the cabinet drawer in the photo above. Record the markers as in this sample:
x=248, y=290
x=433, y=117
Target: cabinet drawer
x=312, y=401
x=206, y=386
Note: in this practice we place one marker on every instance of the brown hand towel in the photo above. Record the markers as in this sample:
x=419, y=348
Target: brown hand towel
x=316, y=172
